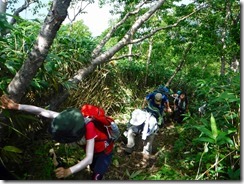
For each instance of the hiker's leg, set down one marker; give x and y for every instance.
(100, 165)
(177, 116)
(131, 138)
(147, 144)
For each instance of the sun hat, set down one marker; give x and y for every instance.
(138, 117)
(158, 98)
(68, 126)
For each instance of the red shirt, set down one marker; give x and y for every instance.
(101, 138)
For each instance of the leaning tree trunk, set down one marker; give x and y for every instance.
(101, 58)
(52, 23)
(148, 58)
(180, 65)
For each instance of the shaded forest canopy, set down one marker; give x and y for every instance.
(194, 48)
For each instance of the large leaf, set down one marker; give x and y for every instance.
(12, 149)
(213, 126)
(205, 131)
(205, 139)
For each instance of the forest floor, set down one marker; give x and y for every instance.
(137, 162)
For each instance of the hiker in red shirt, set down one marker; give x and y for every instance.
(70, 126)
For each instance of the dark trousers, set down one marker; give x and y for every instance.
(178, 116)
(100, 164)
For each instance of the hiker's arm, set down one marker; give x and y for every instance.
(7, 103)
(168, 109)
(144, 103)
(86, 161)
(175, 104)
(37, 110)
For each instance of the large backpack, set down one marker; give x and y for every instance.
(162, 89)
(101, 120)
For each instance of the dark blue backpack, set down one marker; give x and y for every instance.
(162, 89)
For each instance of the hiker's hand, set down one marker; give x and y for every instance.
(7, 103)
(62, 172)
(169, 110)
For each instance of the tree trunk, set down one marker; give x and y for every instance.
(105, 57)
(148, 58)
(52, 23)
(101, 58)
(130, 46)
(180, 65)
(3, 6)
(223, 39)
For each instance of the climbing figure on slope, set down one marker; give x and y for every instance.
(180, 107)
(144, 124)
(75, 126)
(156, 103)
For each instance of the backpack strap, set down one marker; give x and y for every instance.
(89, 119)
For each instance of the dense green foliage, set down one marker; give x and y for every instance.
(206, 148)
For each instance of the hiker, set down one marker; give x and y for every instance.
(180, 107)
(176, 95)
(156, 102)
(70, 126)
(144, 124)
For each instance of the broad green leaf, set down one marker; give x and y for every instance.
(234, 100)
(205, 139)
(229, 140)
(221, 138)
(213, 126)
(227, 96)
(225, 141)
(205, 131)
(134, 174)
(232, 130)
(12, 149)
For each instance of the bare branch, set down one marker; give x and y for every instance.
(22, 8)
(124, 56)
(182, 62)
(80, 10)
(167, 27)
(104, 57)
(99, 47)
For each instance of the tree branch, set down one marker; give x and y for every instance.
(180, 64)
(107, 37)
(20, 9)
(80, 10)
(124, 56)
(167, 27)
(104, 57)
